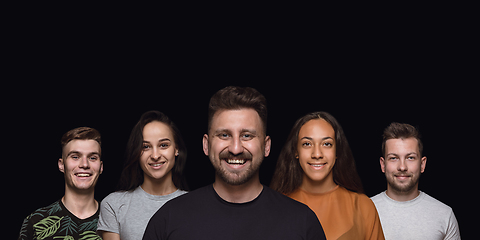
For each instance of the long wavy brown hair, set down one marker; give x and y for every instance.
(289, 174)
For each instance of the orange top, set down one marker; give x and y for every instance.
(343, 214)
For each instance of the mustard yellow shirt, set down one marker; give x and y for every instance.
(343, 214)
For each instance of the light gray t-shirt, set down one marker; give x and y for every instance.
(422, 218)
(128, 213)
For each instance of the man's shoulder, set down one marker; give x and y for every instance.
(46, 211)
(378, 198)
(193, 198)
(435, 204)
(279, 200)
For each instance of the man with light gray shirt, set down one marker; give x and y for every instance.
(406, 212)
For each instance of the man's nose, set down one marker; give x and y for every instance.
(236, 146)
(402, 166)
(84, 162)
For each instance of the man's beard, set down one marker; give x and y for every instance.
(236, 177)
(406, 187)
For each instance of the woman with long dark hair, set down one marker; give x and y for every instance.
(316, 167)
(152, 175)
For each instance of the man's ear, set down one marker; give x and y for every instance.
(382, 164)
(423, 165)
(61, 166)
(205, 144)
(268, 144)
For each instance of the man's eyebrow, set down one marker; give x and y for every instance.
(253, 131)
(94, 153)
(221, 130)
(79, 153)
(73, 152)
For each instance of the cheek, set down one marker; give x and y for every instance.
(414, 167)
(390, 167)
(143, 160)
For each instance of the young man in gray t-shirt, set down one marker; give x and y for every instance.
(405, 212)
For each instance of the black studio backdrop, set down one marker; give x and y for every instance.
(363, 110)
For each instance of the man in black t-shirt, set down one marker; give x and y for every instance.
(237, 205)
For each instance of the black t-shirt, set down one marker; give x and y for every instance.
(202, 214)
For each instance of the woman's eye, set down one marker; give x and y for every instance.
(164, 145)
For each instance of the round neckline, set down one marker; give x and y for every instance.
(319, 194)
(245, 204)
(156, 197)
(405, 203)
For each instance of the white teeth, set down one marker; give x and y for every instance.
(236, 161)
(83, 174)
(157, 164)
(317, 165)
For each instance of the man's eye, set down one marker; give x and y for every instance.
(223, 135)
(75, 157)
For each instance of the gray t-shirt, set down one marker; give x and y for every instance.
(128, 213)
(423, 217)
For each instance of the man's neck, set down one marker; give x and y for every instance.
(402, 196)
(82, 204)
(238, 193)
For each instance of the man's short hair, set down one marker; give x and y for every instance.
(401, 131)
(81, 133)
(235, 98)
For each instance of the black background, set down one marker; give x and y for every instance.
(365, 73)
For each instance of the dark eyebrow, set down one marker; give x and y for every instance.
(161, 140)
(311, 139)
(218, 131)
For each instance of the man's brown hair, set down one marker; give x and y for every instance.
(401, 131)
(234, 98)
(81, 133)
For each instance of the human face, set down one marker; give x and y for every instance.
(316, 150)
(236, 145)
(81, 164)
(159, 151)
(403, 165)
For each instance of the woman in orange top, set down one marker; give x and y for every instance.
(316, 167)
